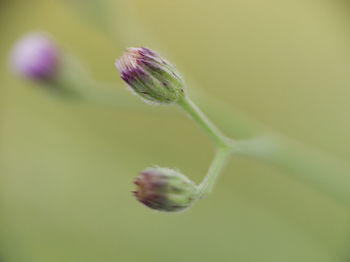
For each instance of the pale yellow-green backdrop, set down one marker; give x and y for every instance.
(66, 169)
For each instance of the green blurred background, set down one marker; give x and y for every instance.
(66, 169)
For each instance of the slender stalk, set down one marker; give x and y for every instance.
(217, 165)
(205, 124)
(220, 140)
(311, 167)
(323, 172)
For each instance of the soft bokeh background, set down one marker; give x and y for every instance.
(66, 169)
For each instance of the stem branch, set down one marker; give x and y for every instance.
(221, 141)
(308, 166)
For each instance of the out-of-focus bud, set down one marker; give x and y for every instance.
(165, 189)
(36, 57)
(150, 76)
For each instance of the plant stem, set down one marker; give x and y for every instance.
(311, 167)
(220, 140)
(317, 169)
(207, 126)
(209, 181)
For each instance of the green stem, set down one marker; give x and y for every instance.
(220, 140)
(207, 126)
(317, 169)
(209, 181)
(311, 167)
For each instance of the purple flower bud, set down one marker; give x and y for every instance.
(150, 76)
(36, 57)
(165, 189)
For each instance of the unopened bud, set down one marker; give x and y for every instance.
(165, 189)
(150, 76)
(36, 57)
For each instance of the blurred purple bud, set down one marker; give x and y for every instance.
(36, 56)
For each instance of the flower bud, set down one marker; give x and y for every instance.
(165, 189)
(150, 76)
(36, 57)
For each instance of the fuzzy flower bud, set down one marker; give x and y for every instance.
(165, 189)
(150, 76)
(36, 57)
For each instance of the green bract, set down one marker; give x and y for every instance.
(165, 189)
(150, 76)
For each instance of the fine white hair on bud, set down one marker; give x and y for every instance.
(150, 76)
(165, 189)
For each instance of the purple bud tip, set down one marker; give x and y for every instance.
(35, 56)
